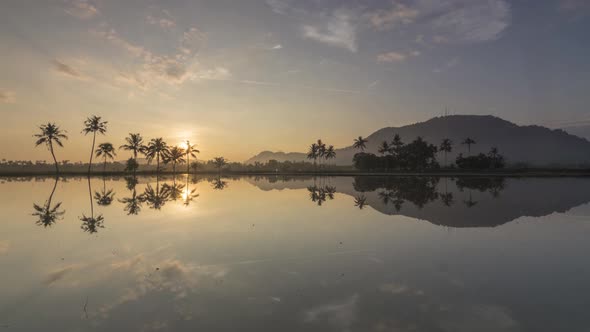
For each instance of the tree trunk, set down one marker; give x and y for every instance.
(54, 159)
(158, 163)
(92, 152)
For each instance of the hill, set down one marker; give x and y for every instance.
(533, 145)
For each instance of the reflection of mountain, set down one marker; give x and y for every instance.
(465, 202)
(530, 144)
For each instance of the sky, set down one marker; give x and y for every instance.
(239, 77)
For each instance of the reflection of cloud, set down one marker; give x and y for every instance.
(341, 315)
(81, 9)
(8, 97)
(393, 288)
(4, 246)
(483, 318)
(66, 70)
(58, 274)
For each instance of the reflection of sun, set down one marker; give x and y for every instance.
(186, 194)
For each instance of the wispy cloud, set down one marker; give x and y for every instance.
(399, 13)
(8, 97)
(373, 84)
(340, 315)
(396, 56)
(277, 47)
(339, 29)
(447, 65)
(82, 9)
(67, 70)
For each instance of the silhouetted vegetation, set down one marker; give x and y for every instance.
(417, 155)
(94, 124)
(50, 133)
(492, 160)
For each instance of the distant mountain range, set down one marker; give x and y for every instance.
(534, 145)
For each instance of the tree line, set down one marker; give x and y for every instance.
(52, 136)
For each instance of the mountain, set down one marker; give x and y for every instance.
(580, 131)
(533, 145)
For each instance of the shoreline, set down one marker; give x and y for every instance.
(436, 173)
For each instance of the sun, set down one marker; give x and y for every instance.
(183, 144)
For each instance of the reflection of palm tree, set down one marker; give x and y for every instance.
(397, 203)
(47, 214)
(386, 196)
(219, 184)
(156, 199)
(447, 199)
(189, 194)
(133, 203)
(91, 224)
(94, 125)
(105, 197)
(470, 202)
(175, 190)
(360, 201)
(50, 133)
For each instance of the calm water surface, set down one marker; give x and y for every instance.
(294, 254)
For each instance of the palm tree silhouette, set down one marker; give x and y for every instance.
(106, 150)
(50, 133)
(175, 156)
(469, 142)
(330, 153)
(396, 144)
(190, 152)
(360, 201)
(48, 215)
(321, 151)
(446, 146)
(219, 163)
(156, 148)
(133, 203)
(134, 143)
(313, 153)
(384, 148)
(360, 143)
(94, 125)
(90, 224)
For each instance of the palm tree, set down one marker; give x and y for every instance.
(219, 163)
(360, 143)
(384, 148)
(175, 156)
(396, 144)
(156, 148)
(469, 142)
(446, 146)
(49, 134)
(134, 143)
(94, 125)
(330, 152)
(313, 153)
(190, 152)
(106, 150)
(321, 150)
(47, 214)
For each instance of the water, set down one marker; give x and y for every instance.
(294, 254)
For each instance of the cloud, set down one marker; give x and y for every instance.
(164, 23)
(81, 9)
(448, 65)
(389, 18)
(8, 97)
(396, 56)
(217, 73)
(277, 47)
(373, 84)
(66, 70)
(451, 21)
(339, 29)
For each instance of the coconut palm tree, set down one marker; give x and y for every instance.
(94, 124)
(107, 151)
(469, 142)
(190, 152)
(330, 153)
(134, 143)
(384, 148)
(321, 150)
(50, 133)
(48, 215)
(156, 148)
(360, 143)
(396, 144)
(219, 163)
(313, 153)
(446, 146)
(174, 156)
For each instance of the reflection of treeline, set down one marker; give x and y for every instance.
(492, 185)
(397, 190)
(320, 194)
